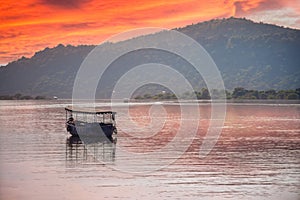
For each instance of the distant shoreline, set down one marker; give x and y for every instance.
(230, 101)
(134, 102)
(242, 101)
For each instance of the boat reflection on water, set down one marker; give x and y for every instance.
(101, 151)
(93, 139)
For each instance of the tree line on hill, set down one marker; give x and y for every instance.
(19, 96)
(237, 93)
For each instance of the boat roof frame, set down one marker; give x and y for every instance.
(88, 110)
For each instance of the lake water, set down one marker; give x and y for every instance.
(257, 155)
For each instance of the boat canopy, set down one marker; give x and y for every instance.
(88, 110)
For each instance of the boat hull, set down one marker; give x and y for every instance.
(92, 132)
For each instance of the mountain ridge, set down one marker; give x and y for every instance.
(251, 55)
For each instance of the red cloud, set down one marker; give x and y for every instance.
(50, 22)
(63, 3)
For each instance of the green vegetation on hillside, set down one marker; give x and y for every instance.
(19, 96)
(238, 93)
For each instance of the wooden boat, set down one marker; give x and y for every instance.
(90, 124)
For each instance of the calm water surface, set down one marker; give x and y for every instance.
(256, 157)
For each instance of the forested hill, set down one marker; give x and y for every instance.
(50, 72)
(250, 55)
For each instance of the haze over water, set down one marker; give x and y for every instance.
(256, 157)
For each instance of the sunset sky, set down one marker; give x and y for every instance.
(27, 26)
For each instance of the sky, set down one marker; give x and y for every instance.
(28, 26)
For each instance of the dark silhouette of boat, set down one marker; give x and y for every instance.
(91, 124)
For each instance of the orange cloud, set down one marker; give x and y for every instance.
(27, 26)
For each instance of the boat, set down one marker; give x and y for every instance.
(91, 124)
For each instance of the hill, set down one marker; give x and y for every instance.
(250, 55)
(50, 72)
